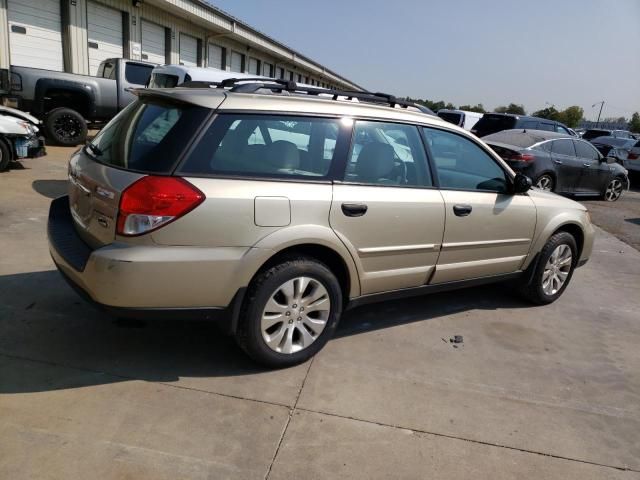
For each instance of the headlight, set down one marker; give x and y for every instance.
(28, 127)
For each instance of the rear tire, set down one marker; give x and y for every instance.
(546, 182)
(65, 127)
(274, 328)
(552, 271)
(5, 156)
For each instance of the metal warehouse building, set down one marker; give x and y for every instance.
(76, 35)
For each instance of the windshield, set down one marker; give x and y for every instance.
(147, 136)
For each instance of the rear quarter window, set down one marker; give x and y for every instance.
(147, 136)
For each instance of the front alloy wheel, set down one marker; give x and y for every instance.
(295, 315)
(614, 190)
(549, 275)
(557, 269)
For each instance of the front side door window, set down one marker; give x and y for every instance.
(594, 172)
(487, 230)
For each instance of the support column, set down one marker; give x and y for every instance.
(74, 41)
(4, 36)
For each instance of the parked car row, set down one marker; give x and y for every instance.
(561, 164)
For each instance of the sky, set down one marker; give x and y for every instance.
(531, 52)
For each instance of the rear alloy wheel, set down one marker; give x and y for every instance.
(545, 182)
(614, 190)
(290, 312)
(552, 271)
(65, 127)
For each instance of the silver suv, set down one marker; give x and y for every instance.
(274, 208)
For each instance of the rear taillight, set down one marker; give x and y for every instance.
(521, 157)
(152, 202)
(633, 156)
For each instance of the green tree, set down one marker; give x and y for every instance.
(512, 108)
(550, 112)
(571, 116)
(634, 124)
(478, 108)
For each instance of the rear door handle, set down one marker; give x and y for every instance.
(559, 162)
(586, 164)
(462, 210)
(354, 209)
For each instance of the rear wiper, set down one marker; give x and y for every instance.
(94, 148)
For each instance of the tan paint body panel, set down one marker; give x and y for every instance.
(396, 243)
(494, 238)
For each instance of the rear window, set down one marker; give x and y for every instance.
(137, 74)
(265, 145)
(451, 117)
(147, 136)
(493, 123)
(590, 134)
(163, 80)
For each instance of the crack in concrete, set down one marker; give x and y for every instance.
(286, 426)
(294, 408)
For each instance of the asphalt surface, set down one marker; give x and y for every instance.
(621, 218)
(530, 392)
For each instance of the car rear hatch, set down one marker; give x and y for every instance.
(148, 138)
(492, 123)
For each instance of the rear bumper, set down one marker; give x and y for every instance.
(146, 281)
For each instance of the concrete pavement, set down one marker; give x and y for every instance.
(532, 392)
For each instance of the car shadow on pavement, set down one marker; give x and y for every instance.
(44, 324)
(50, 188)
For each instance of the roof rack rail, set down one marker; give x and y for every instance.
(254, 84)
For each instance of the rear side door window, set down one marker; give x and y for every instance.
(265, 146)
(563, 147)
(387, 154)
(462, 164)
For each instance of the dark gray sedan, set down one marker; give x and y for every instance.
(560, 163)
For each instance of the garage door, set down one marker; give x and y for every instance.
(188, 50)
(35, 38)
(215, 56)
(153, 38)
(104, 33)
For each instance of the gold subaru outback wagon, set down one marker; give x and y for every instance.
(272, 208)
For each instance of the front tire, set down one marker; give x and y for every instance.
(552, 271)
(65, 127)
(614, 189)
(290, 312)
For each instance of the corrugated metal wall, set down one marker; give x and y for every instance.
(180, 16)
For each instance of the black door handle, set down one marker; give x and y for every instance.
(462, 210)
(354, 209)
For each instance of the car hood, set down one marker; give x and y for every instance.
(12, 112)
(546, 198)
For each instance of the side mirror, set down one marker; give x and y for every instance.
(610, 160)
(521, 183)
